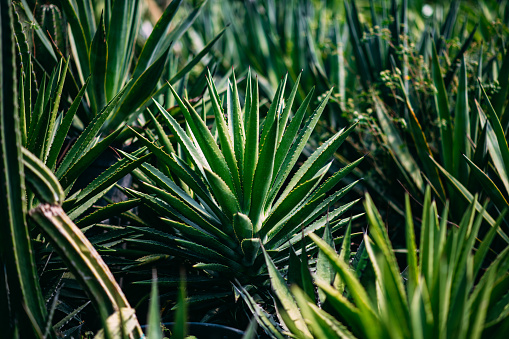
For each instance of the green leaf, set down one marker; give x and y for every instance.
(442, 107)
(63, 129)
(154, 319)
(86, 138)
(139, 92)
(461, 128)
(242, 227)
(355, 288)
(285, 297)
(226, 198)
(252, 147)
(121, 35)
(83, 260)
(18, 266)
(156, 43)
(98, 62)
(262, 177)
(44, 183)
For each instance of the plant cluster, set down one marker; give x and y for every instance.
(146, 170)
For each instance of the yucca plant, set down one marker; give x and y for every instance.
(224, 194)
(445, 291)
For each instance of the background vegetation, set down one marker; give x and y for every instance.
(191, 150)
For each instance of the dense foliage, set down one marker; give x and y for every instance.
(181, 161)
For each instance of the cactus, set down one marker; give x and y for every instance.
(16, 258)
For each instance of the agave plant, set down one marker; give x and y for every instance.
(23, 309)
(445, 291)
(104, 52)
(225, 194)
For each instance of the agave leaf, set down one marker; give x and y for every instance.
(139, 91)
(45, 185)
(236, 125)
(298, 145)
(413, 269)
(83, 162)
(291, 131)
(38, 30)
(211, 151)
(19, 271)
(226, 198)
(82, 258)
(194, 153)
(225, 138)
(497, 143)
(63, 129)
(87, 136)
(154, 319)
(121, 33)
(442, 107)
(292, 201)
(98, 64)
(465, 194)
(262, 177)
(107, 212)
(399, 150)
(252, 146)
(108, 177)
(284, 295)
(156, 44)
(54, 110)
(242, 226)
(358, 293)
(489, 187)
